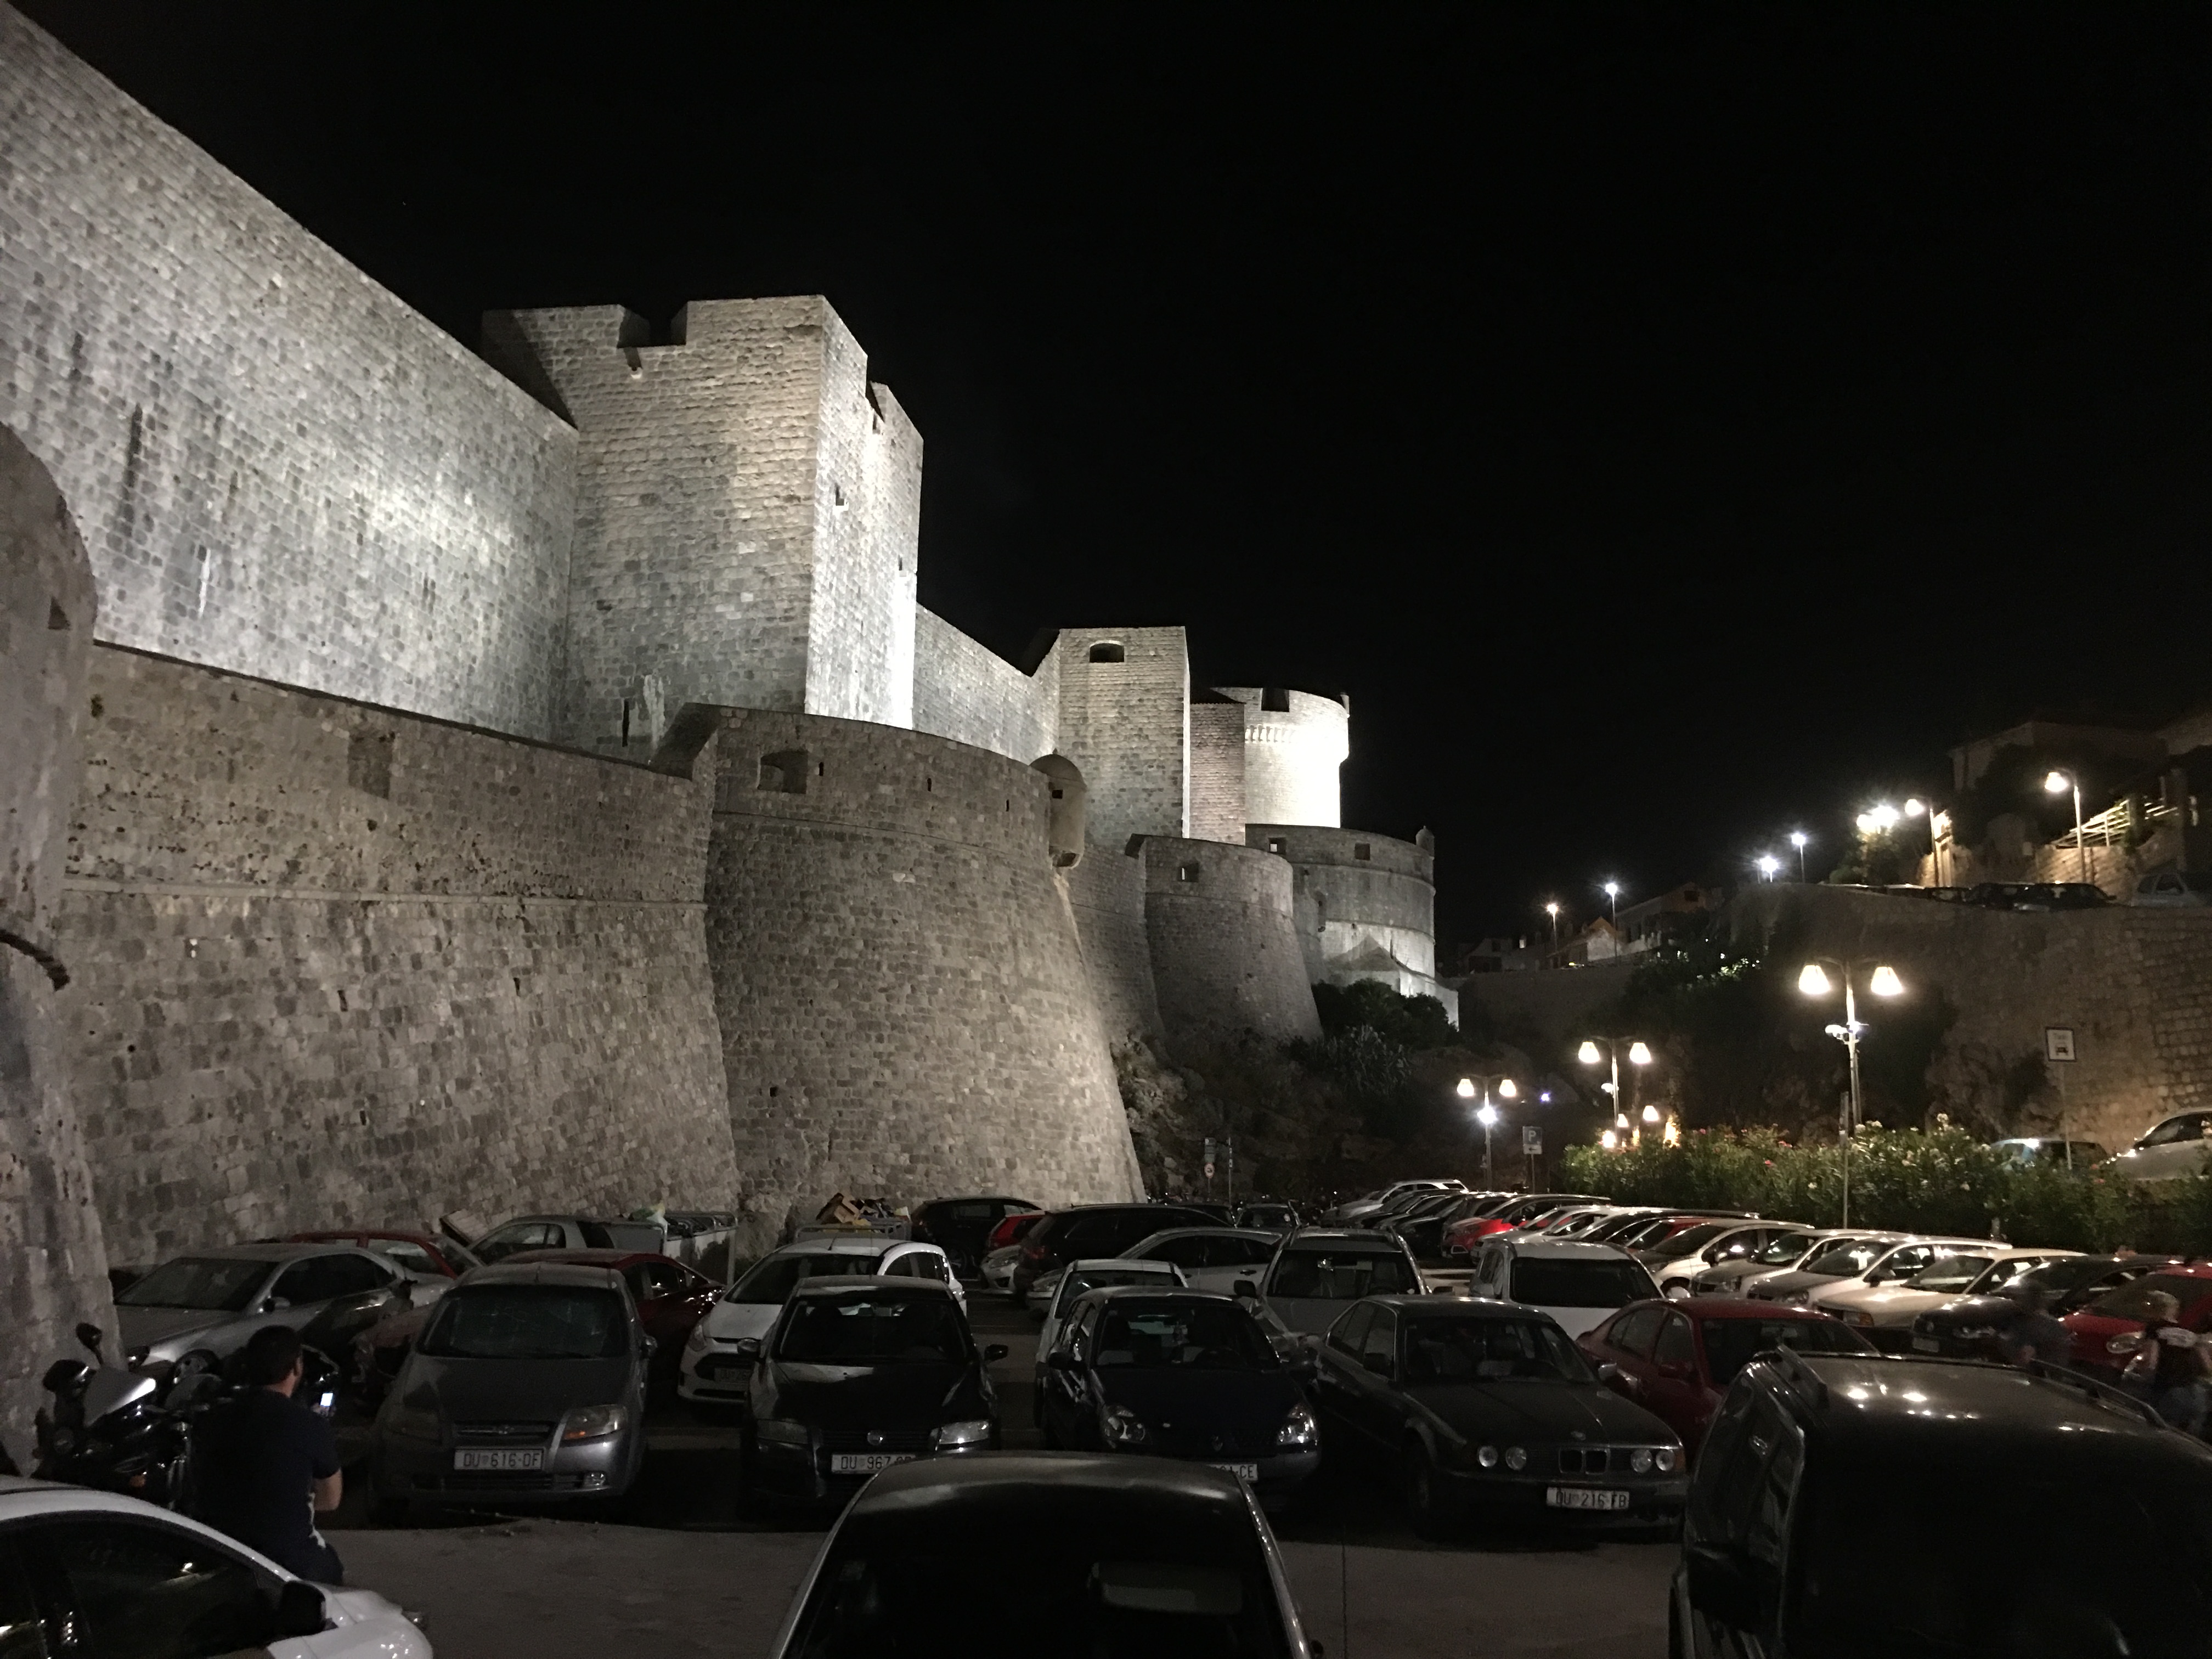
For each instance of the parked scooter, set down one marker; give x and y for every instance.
(130, 1431)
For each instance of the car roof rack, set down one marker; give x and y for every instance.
(2051, 1372)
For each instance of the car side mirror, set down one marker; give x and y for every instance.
(1305, 1365)
(996, 1353)
(1877, 1277)
(749, 1347)
(1608, 1372)
(275, 1305)
(90, 1334)
(1678, 1370)
(1061, 1360)
(1245, 1287)
(299, 1610)
(647, 1347)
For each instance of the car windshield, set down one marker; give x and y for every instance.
(1073, 1284)
(1447, 1350)
(1690, 1239)
(1201, 1336)
(1544, 1282)
(1339, 1275)
(1110, 1575)
(1853, 1257)
(527, 1321)
(213, 1283)
(1730, 1343)
(873, 1330)
(1950, 1272)
(2133, 1301)
(771, 1279)
(1781, 1252)
(1903, 1556)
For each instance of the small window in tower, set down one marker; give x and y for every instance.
(1106, 651)
(1186, 872)
(837, 493)
(784, 773)
(1060, 795)
(1278, 846)
(1274, 701)
(1361, 849)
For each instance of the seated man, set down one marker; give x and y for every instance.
(261, 1458)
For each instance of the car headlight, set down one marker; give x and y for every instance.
(415, 1422)
(593, 1423)
(1855, 1316)
(1299, 1431)
(2127, 1342)
(698, 1341)
(1487, 1457)
(1123, 1427)
(1639, 1461)
(781, 1431)
(969, 1432)
(1975, 1333)
(1515, 1458)
(1667, 1457)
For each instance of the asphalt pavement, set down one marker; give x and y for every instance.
(678, 1567)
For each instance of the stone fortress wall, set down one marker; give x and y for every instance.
(1223, 957)
(1295, 745)
(1363, 907)
(277, 467)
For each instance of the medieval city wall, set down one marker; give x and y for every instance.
(337, 964)
(905, 1007)
(1294, 753)
(277, 466)
(1125, 722)
(963, 691)
(1355, 893)
(1106, 891)
(1224, 961)
(1217, 811)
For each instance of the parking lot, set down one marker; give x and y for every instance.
(680, 1569)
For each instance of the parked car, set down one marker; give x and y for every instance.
(1967, 1328)
(1576, 1284)
(106, 1574)
(1123, 1555)
(2170, 1149)
(1425, 1235)
(1677, 1262)
(1882, 1309)
(1353, 1210)
(1181, 1374)
(2036, 896)
(1412, 1207)
(1844, 1258)
(421, 1255)
(962, 1227)
(1317, 1271)
(1012, 1228)
(1855, 1505)
(1092, 1230)
(1779, 1255)
(1902, 1261)
(1267, 1215)
(2171, 890)
(566, 1232)
(1212, 1258)
(2107, 1332)
(714, 1371)
(672, 1298)
(1481, 1407)
(2079, 1155)
(858, 1374)
(527, 1384)
(1091, 1274)
(1461, 1238)
(198, 1309)
(1677, 1363)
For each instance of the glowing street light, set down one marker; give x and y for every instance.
(1767, 865)
(1465, 1090)
(1876, 820)
(1613, 898)
(1813, 980)
(1552, 910)
(1797, 839)
(1610, 1141)
(1650, 1114)
(1639, 1054)
(2057, 784)
(1486, 1113)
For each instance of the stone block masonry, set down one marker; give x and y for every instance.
(342, 965)
(904, 1006)
(1106, 892)
(1224, 961)
(968, 694)
(1125, 721)
(277, 466)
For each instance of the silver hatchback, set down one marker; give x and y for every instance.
(199, 1308)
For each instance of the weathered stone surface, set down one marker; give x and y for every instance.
(1106, 892)
(1364, 907)
(1224, 959)
(970, 695)
(1125, 720)
(53, 1265)
(338, 965)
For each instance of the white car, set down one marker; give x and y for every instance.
(714, 1373)
(1883, 1310)
(2169, 1149)
(1677, 1272)
(1884, 1261)
(1212, 1258)
(1578, 1285)
(109, 1574)
(1779, 1255)
(1092, 1274)
(1319, 1271)
(998, 1269)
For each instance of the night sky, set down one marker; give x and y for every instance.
(1670, 425)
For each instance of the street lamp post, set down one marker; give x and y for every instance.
(1797, 839)
(1552, 910)
(1486, 1113)
(1768, 864)
(1639, 1054)
(1613, 898)
(1882, 982)
(2057, 784)
(1936, 823)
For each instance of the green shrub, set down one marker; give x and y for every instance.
(1415, 1021)
(1373, 1072)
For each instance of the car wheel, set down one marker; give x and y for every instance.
(1432, 1508)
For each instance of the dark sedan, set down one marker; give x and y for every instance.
(963, 1227)
(1486, 1408)
(1186, 1374)
(1095, 1231)
(1968, 1329)
(860, 1374)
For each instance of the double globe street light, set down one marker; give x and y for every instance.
(1882, 982)
(1486, 1113)
(1639, 1054)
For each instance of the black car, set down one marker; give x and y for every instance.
(1089, 1230)
(1484, 1408)
(1080, 1554)
(1967, 1328)
(858, 1374)
(1425, 1233)
(1184, 1374)
(1267, 1215)
(962, 1227)
(1849, 1506)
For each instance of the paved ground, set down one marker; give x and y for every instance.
(678, 1571)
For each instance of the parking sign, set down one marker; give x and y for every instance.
(2058, 1042)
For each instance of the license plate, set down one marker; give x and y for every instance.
(1242, 1470)
(499, 1460)
(866, 1462)
(1584, 1497)
(1927, 1344)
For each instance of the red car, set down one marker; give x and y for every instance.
(2108, 1332)
(1011, 1229)
(1677, 1360)
(418, 1253)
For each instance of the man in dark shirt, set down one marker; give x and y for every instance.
(260, 1457)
